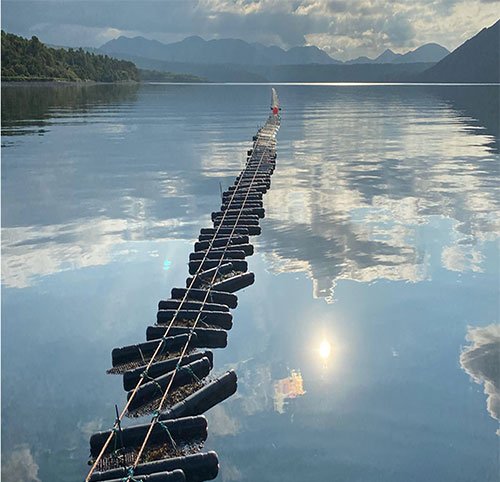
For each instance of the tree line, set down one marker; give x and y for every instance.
(30, 59)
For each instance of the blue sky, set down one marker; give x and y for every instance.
(344, 28)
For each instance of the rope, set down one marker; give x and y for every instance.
(130, 476)
(214, 237)
(189, 370)
(148, 434)
(142, 356)
(145, 374)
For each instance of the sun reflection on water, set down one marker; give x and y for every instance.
(325, 349)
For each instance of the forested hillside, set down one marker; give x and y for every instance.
(24, 59)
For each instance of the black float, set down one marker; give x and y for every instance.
(165, 374)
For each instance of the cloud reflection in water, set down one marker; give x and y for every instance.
(481, 361)
(356, 208)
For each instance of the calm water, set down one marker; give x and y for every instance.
(381, 237)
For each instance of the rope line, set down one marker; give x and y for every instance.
(148, 434)
(274, 128)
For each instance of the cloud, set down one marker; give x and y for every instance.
(19, 465)
(348, 28)
(481, 361)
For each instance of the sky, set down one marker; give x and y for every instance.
(345, 29)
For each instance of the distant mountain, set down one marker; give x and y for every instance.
(426, 53)
(211, 72)
(388, 57)
(133, 46)
(476, 60)
(341, 73)
(360, 60)
(195, 50)
(307, 55)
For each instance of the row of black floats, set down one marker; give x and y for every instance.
(175, 358)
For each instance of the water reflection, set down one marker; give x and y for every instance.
(373, 184)
(20, 465)
(106, 175)
(480, 112)
(360, 189)
(325, 349)
(348, 201)
(25, 110)
(286, 389)
(481, 361)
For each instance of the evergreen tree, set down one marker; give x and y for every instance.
(24, 59)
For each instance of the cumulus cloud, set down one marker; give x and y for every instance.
(481, 361)
(348, 28)
(20, 465)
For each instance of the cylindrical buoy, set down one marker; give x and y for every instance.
(182, 429)
(171, 304)
(143, 351)
(241, 221)
(175, 476)
(221, 242)
(196, 467)
(253, 182)
(210, 237)
(257, 196)
(154, 389)
(223, 231)
(205, 398)
(197, 265)
(201, 294)
(223, 319)
(224, 253)
(257, 175)
(250, 229)
(132, 377)
(209, 274)
(247, 249)
(242, 205)
(205, 337)
(235, 283)
(235, 214)
(248, 188)
(232, 252)
(259, 212)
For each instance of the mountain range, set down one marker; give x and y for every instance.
(231, 60)
(218, 51)
(195, 50)
(426, 53)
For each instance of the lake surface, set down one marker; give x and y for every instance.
(381, 237)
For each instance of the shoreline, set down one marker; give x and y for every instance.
(64, 83)
(69, 83)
